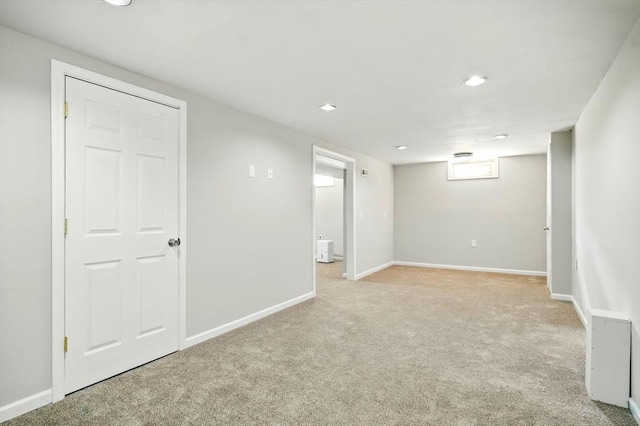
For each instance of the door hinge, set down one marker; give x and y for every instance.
(66, 344)
(66, 226)
(66, 109)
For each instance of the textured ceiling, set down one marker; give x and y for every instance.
(395, 69)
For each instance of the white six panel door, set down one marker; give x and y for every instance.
(121, 286)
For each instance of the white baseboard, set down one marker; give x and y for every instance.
(25, 405)
(569, 298)
(555, 296)
(471, 268)
(562, 297)
(583, 319)
(225, 328)
(41, 399)
(373, 270)
(635, 410)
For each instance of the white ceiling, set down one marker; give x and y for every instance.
(395, 69)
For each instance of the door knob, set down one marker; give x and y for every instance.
(545, 228)
(173, 243)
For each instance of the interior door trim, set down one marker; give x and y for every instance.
(333, 158)
(59, 72)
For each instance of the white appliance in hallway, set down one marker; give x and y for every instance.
(325, 251)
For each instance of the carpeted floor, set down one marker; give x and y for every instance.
(405, 346)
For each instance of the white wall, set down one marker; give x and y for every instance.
(560, 147)
(607, 196)
(232, 220)
(330, 214)
(436, 219)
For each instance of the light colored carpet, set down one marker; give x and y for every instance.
(406, 346)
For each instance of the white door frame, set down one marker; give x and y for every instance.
(548, 227)
(349, 208)
(59, 72)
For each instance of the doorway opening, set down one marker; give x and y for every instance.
(334, 220)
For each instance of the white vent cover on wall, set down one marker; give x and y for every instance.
(608, 357)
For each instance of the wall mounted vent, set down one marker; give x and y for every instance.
(462, 154)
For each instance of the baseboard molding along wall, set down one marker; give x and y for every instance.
(25, 405)
(41, 399)
(225, 328)
(555, 296)
(373, 270)
(33, 402)
(583, 319)
(635, 410)
(562, 297)
(471, 268)
(569, 298)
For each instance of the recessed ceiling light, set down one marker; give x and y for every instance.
(476, 80)
(401, 147)
(119, 2)
(502, 136)
(327, 107)
(462, 154)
